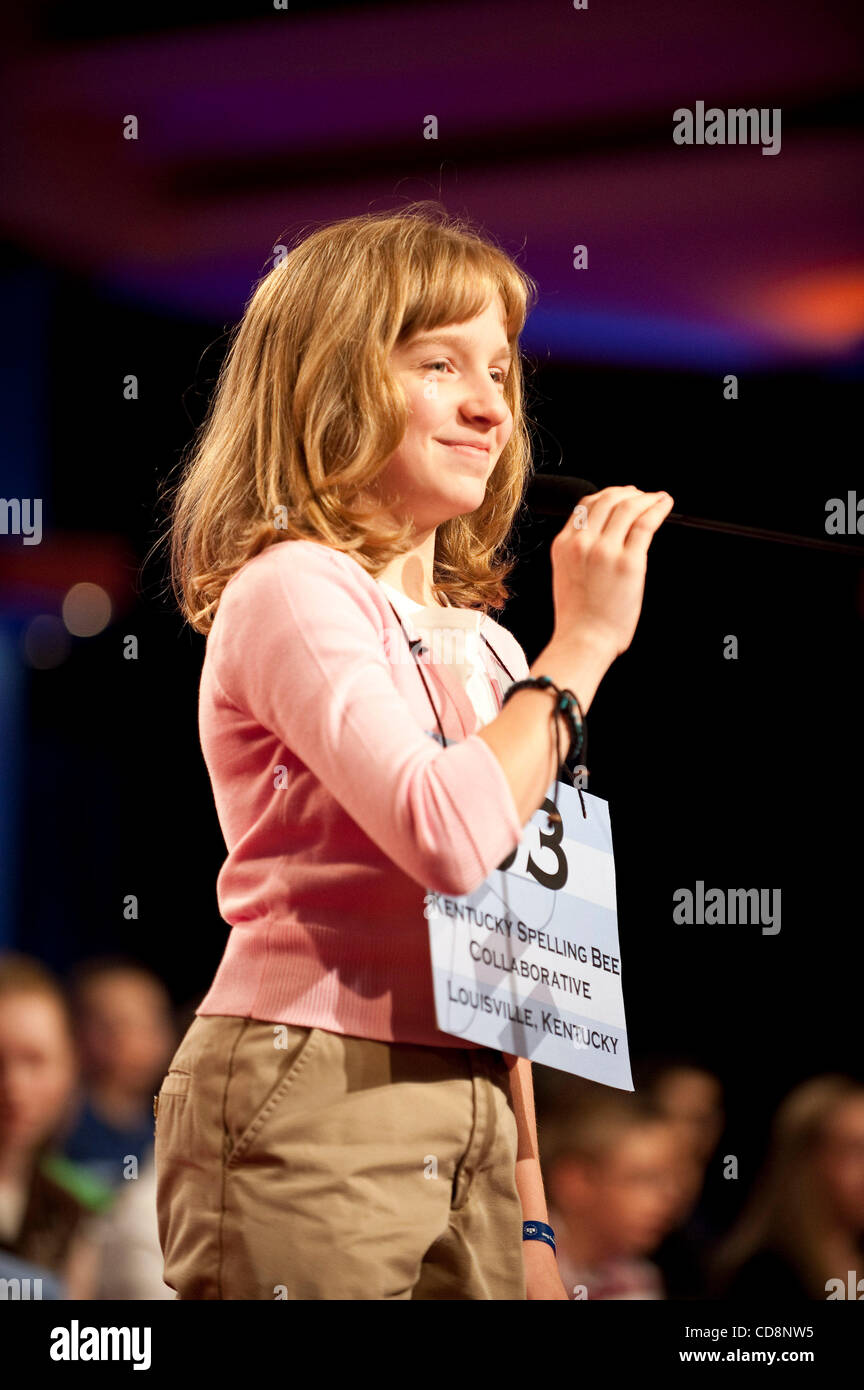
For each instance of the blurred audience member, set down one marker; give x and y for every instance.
(126, 1037)
(803, 1223)
(130, 1257)
(691, 1098)
(46, 1202)
(610, 1165)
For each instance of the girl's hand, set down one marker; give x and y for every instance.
(598, 567)
(542, 1278)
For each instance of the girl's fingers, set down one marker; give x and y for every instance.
(641, 533)
(598, 506)
(620, 521)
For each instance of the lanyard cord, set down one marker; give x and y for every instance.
(563, 769)
(412, 647)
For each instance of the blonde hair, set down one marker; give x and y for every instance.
(21, 974)
(307, 411)
(787, 1212)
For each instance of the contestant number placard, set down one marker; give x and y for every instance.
(530, 961)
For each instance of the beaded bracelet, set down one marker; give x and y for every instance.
(564, 704)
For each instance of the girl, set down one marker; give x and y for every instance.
(351, 490)
(801, 1234)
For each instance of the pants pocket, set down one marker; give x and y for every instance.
(176, 1083)
(266, 1063)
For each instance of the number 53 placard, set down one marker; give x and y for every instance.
(530, 962)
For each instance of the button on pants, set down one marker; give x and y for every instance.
(296, 1163)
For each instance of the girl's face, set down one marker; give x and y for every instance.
(454, 381)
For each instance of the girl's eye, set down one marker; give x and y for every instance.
(500, 379)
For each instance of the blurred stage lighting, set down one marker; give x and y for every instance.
(46, 642)
(86, 610)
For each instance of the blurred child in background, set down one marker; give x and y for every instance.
(125, 1037)
(803, 1224)
(46, 1202)
(131, 1264)
(130, 1257)
(612, 1175)
(691, 1098)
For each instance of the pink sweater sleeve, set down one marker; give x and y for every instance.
(300, 644)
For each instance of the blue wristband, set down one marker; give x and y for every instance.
(538, 1230)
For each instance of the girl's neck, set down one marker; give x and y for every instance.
(412, 573)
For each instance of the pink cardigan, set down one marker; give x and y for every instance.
(338, 809)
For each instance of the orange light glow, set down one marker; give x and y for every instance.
(824, 309)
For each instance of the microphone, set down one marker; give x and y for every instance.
(550, 494)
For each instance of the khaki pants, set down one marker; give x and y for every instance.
(295, 1163)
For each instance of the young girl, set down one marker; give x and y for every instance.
(801, 1234)
(317, 1135)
